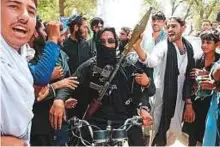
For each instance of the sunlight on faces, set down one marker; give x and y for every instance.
(174, 30)
(210, 40)
(206, 26)
(215, 25)
(157, 25)
(18, 20)
(208, 46)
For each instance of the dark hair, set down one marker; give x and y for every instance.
(206, 20)
(95, 21)
(214, 21)
(158, 16)
(211, 35)
(38, 23)
(111, 29)
(178, 19)
(75, 20)
(127, 30)
(35, 1)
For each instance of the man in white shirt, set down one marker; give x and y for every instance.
(18, 19)
(158, 34)
(174, 59)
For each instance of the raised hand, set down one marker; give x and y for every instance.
(142, 79)
(53, 31)
(147, 119)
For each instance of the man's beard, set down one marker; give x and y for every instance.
(39, 42)
(38, 45)
(124, 42)
(175, 37)
(94, 35)
(78, 35)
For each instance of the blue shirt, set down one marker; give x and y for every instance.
(42, 71)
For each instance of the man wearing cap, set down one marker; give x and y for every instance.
(45, 53)
(95, 24)
(77, 49)
(76, 46)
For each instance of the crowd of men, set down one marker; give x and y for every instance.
(50, 74)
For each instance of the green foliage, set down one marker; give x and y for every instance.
(87, 7)
(204, 9)
(49, 9)
(153, 3)
(194, 10)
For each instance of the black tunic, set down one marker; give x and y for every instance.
(78, 52)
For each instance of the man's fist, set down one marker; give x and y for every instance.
(147, 119)
(142, 79)
(53, 31)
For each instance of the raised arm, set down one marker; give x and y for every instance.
(42, 71)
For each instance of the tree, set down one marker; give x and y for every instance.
(54, 9)
(174, 5)
(205, 9)
(48, 9)
(193, 11)
(153, 3)
(62, 7)
(87, 7)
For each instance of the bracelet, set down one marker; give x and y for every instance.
(51, 86)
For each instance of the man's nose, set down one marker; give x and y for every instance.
(24, 16)
(107, 44)
(204, 44)
(169, 29)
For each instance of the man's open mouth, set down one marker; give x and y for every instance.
(171, 34)
(20, 29)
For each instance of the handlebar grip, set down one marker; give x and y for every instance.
(71, 121)
(74, 121)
